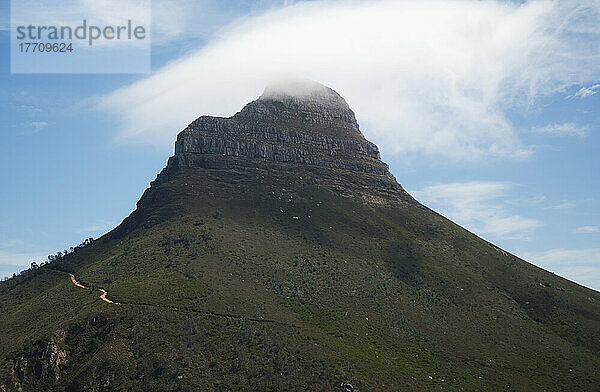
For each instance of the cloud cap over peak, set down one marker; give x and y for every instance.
(429, 77)
(304, 89)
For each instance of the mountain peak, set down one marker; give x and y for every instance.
(304, 105)
(304, 91)
(299, 133)
(276, 252)
(298, 124)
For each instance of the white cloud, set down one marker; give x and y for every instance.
(579, 265)
(588, 229)
(534, 200)
(478, 206)
(431, 76)
(100, 227)
(564, 206)
(197, 19)
(14, 262)
(538, 199)
(29, 108)
(172, 20)
(564, 129)
(585, 92)
(38, 124)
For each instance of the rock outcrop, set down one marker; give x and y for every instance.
(43, 364)
(302, 123)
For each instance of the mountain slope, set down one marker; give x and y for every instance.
(276, 252)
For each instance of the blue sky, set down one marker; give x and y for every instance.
(487, 112)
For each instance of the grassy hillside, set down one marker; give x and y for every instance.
(262, 281)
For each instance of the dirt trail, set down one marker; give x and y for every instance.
(102, 296)
(76, 283)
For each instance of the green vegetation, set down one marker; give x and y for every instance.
(321, 289)
(275, 252)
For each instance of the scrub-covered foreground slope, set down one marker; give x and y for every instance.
(276, 252)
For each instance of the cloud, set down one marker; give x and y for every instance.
(538, 199)
(91, 229)
(197, 19)
(20, 258)
(579, 265)
(588, 229)
(478, 206)
(28, 108)
(564, 129)
(585, 92)
(12, 243)
(100, 227)
(38, 124)
(14, 262)
(431, 77)
(564, 206)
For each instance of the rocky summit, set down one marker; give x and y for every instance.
(298, 132)
(316, 129)
(275, 252)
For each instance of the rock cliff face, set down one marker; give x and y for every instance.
(305, 124)
(43, 363)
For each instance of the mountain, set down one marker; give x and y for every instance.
(276, 252)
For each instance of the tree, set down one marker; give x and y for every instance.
(34, 265)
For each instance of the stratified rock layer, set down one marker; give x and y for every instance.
(315, 128)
